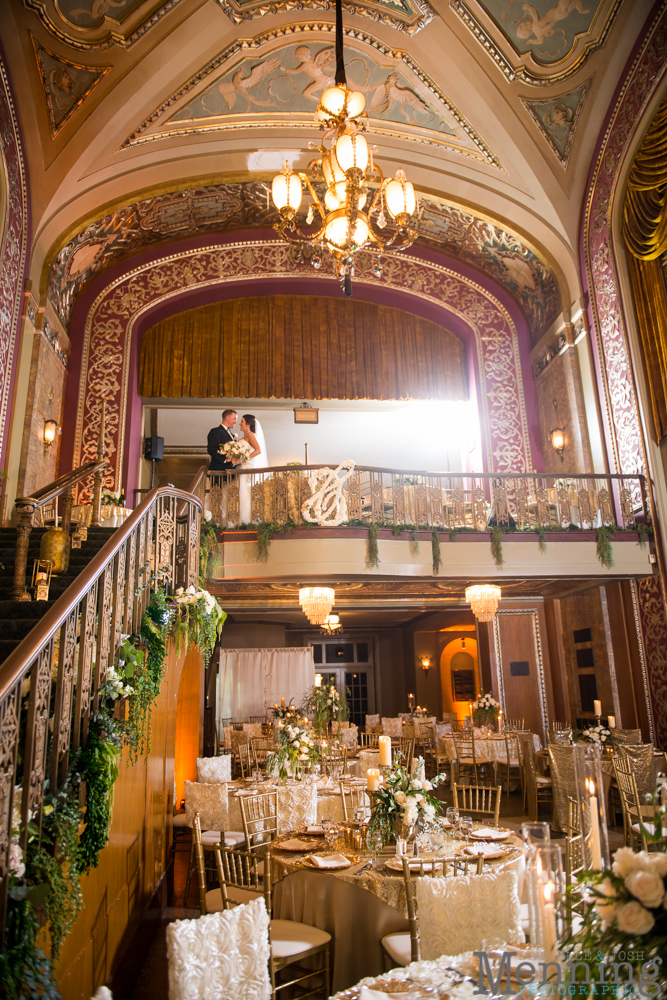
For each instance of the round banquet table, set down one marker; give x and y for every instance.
(487, 750)
(298, 803)
(358, 908)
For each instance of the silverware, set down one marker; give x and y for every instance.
(361, 870)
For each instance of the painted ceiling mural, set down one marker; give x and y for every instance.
(540, 42)
(557, 119)
(282, 85)
(406, 15)
(227, 207)
(99, 24)
(66, 84)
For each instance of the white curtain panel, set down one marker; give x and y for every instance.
(251, 680)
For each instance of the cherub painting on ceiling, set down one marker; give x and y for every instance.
(547, 29)
(294, 79)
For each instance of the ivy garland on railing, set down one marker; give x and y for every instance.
(45, 884)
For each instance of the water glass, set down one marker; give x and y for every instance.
(466, 826)
(437, 835)
(257, 774)
(374, 845)
(452, 816)
(536, 833)
(331, 835)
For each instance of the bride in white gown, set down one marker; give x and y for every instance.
(253, 434)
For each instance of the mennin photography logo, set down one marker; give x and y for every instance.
(566, 979)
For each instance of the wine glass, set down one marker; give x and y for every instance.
(452, 816)
(466, 826)
(326, 825)
(437, 835)
(331, 833)
(374, 845)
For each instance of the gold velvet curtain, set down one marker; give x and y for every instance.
(293, 347)
(645, 232)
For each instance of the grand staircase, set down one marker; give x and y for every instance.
(17, 618)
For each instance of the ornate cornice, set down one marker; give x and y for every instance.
(386, 13)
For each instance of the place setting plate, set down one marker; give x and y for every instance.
(495, 851)
(329, 868)
(490, 834)
(299, 845)
(396, 864)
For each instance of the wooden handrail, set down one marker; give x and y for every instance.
(199, 478)
(41, 497)
(19, 659)
(423, 472)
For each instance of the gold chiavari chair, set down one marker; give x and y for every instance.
(353, 796)
(334, 761)
(403, 947)
(259, 815)
(538, 787)
(574, 858)
(466, 760)
(261, 747)
(403, 746)
(513, 723)
(245, 875)
(638, 818)
(512, 761)
(369, 739)
(244, 754)
(481, 799)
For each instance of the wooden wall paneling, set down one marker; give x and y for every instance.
(581, 611)
(486, 657)
(189, 721)
(633, 627)
(627, 715)
(518, 639)
(559, 680)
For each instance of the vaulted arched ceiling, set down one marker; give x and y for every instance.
(493, 107)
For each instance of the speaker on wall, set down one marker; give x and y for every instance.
(154, 448)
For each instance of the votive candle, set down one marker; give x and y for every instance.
(384, 746)
(372, 779)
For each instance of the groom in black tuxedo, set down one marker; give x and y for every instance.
(216, 437)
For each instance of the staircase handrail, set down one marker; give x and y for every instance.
(16, 663)
(197, 487)
(43, 496)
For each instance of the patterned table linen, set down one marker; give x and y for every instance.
(297, 805)
(437, 975)
(486, 750)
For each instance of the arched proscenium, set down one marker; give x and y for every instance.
(114, 314)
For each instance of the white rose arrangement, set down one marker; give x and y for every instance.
(597, 734)
(294, 746)
(403, 800)
(486, 708)
(240, 450)
(198, 618)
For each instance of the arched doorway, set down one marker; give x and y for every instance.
(459, 675)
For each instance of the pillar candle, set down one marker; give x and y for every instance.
(318, 680)
(372, 779)
(596, 848)
(282, 702)
(597, 707)
(611, 721)
(384, 746)
(549, 935)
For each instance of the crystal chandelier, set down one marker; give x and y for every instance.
(483, 599)
(331, 625)
(355, 186)
(316, 603)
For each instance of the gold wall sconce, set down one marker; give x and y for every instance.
(425, 663)
(50, 431)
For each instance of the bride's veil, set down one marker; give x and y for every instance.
(262, 459)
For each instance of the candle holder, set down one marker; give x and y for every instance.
(546, 895)
(411, 702)
(41, 578)
(591, 798)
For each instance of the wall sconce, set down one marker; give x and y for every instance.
(558, 441)
(425, 663)
(41, 578)
(50, 428)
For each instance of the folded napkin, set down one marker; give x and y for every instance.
(294, 845)
(331, 861)
(246, 791)
(317, 830)
(484, 849)
(486, 833)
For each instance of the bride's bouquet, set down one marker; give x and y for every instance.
(240, 450)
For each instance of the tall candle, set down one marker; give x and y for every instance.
(500, 721)
(596, 848)
(384, 746)
(282, 702)
(548, 919)
(597, 707)
(611, 721)
(318, 680)
(372, 779)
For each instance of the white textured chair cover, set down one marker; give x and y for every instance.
(222, 956)
(297, 805)
(371, 722)
(392, 727)
(349, 737)
(212, 770)
(253, 729)
(212, 804)
(367, 758)
(458, 912)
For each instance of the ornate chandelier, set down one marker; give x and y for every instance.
(331, 625)
(355, 186)
(316, 603)
(483, 599)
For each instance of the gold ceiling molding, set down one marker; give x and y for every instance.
(557, 119)
(538, 49)
(389, 84)
(409, 16)
(66, 84)
(94, 25)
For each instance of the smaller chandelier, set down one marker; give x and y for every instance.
(483, 599)
(316, 603)
(331, 625)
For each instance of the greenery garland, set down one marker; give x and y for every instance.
(497, 545)
(603, 548)
(373, 557)
(643, 530)
(414, 543)
(435, 549)
(25, 971)
(542, 543)
(208, 547)
(97, 764)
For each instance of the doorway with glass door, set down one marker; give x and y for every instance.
(350, 664)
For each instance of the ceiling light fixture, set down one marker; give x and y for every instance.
(355, 186)
(331, 625)
(483, 600)
(316, 603)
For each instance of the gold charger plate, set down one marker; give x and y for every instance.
(310, 845)
(396, 865)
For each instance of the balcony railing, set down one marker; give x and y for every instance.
(473, 501)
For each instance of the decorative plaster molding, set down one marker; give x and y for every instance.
(66, 84)
(110, 322)
(419, 12)
(557, 119)
(93, 39)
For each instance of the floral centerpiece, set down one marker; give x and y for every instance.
(599, 735)
(284, 711)
(325, 704)
(240, 450)
(295, 747)
(115, 498)
(337, 707)
(403, 801)
(485, 710)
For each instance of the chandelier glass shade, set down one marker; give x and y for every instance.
(483, 600)
(316, 603)
(352, 210)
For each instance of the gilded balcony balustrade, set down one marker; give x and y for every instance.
(474, 501)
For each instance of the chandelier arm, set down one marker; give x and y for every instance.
(289, 232)
(306, 180)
